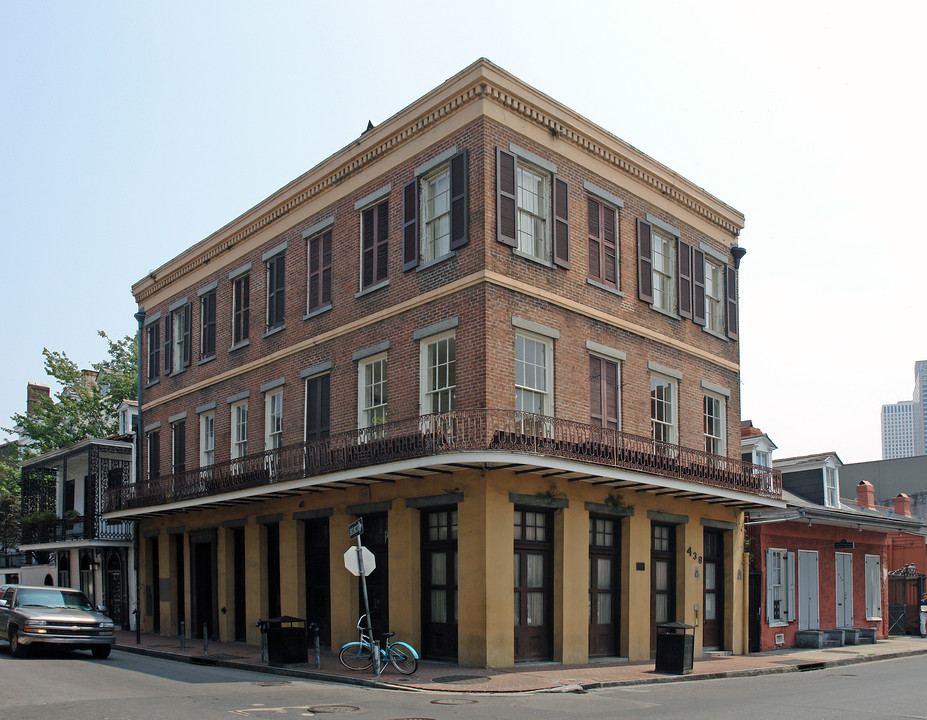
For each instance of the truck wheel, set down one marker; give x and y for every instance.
(101, 652)
(17, 649)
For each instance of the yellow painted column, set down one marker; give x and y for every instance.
(735, 589)
(225, 593)
(255, 580)
(635, 584)
(571, 591)
(690, 572)
(345, 591)
(405, 573)
(289, 575)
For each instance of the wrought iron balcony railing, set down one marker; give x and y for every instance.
(440, 434)
(83, 527)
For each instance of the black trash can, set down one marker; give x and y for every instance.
(675, 648)
(287, 641)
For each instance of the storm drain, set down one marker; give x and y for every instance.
(454, 701)
(333, 708)
(461, 679)
(811, 666)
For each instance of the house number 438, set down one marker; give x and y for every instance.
(694, 556)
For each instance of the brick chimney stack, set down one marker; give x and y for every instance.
(865, 495)
(903, 505)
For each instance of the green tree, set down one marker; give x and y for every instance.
(81, 409)
(11, 455)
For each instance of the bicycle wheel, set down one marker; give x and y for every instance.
(403, 660)
(356, 656)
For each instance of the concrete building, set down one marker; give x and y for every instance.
(501, 336)
(904, 423)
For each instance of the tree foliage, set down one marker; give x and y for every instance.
(10, 458)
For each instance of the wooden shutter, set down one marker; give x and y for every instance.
(382, 258)
(367, 247)
(154, 455)
(326, 269)
(594, 227)
(187, 334)
(561, 194)
(731, 283)
(245, 310)
(609, 245)
(644, 262)
(698, 286)
(769, 594)
(179, 449)
(684, 278)
(595, 391)
(604, 393)
(460, 204)
(318, 408)
(506, 204)
(320, 271)
(208, 309)
(790, 587)
(168, 345)
(410, 225)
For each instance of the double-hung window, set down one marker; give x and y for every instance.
(714, 296)
(664, 271)
(239, 429)
(664, 267)
(276, 290)
(208, 325)
(714, 424)
(177, 338)
(439, 373)
(241, 309)
(153, 336)
(207, 439)
(371, 392)
(374, 244)
(273, 420)
(831, 498)
(532, 213)
(436, 213)
(533, 375)
(319, 291)
(780, 587)
(663, 405)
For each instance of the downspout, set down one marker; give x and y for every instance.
(140, 317)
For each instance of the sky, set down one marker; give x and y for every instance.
(130, 131)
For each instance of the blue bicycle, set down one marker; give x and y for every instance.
(358, 654)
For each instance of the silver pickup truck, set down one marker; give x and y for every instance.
(53, 616)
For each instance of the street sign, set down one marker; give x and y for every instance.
(352, 561)
(356, 528)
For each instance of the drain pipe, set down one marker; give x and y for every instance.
(140, 317)
(774, 520)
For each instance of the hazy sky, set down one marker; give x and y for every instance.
(130, 131)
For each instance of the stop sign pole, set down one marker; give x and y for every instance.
(356, 530)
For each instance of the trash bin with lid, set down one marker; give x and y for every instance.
(287, 641)
(675, 648)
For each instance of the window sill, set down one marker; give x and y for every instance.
(177, 372)
(874, 619)
(435, 261)
(317, 312)
(714, 334)
(779, 623)
(665, 312)
(152, 383)
(239, 346)
(207, 359)
(532, 258)
(603, 286)
(372, 288)
(274, 330)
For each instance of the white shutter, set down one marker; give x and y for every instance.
(769, 602)
(790, 590)
(873, 588)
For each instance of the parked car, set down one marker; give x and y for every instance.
(53, 616)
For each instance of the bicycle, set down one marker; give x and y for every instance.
(358, 654)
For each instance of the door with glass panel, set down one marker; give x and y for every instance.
(439, 584)
(713, 569)
(604, 556)
(662, 578)
(533, 584)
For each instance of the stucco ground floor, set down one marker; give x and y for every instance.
(484, 567)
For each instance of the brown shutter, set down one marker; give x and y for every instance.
(168, 344)
(644, 262)
(603, 393)
(594, 225)
(410, 225)
(187, 334)
(731, 302)
(382, 257)
(611, 396)
(609, 245)
(460, 207)
(698, 286)
(506, 205)
(326, 268)
(684, 278)
(367, 249)
(595, 391)
(561, 193)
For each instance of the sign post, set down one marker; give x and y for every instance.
(357, 566)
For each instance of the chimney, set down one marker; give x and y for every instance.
(865, 495)
(33, 392)
(903, 505)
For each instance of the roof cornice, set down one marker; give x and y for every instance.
(481, 81)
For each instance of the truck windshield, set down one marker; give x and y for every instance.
(52, 598)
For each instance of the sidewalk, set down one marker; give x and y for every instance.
(545, 677)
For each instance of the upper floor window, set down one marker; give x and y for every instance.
(714, 296)
(239, 429)
(276, 290)
(831, 498)
(780, 587)
(664, 271)
(208, 325)
(178, 447)
(241, 309)
(319, 291)
(273, 420)
(714, 424)
(207, 439)
(761, 458)
(177, 338)
(533, 375)
(602, 226)
(371, 392)
(318, 407)
(439, 374)
(153, 454)
(153, 336)
(374, 244)
(663, 406)
(604, 393)
(532, 208)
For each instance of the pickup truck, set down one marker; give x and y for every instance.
(53, 616)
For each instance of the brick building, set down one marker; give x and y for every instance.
(504, 338)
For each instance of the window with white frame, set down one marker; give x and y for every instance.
(663, 409)
(831, 498)
(436, 213)
(533, 375)
(371, 392)
(239, 430)
(439, 373)
(714, 424)
(533, 217)
(873, 588)
(664, 270)
(780, 586)
(761, 458)
(177, 335)
(273, 420)
(714, 296)
(207, 439)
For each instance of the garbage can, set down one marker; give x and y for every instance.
(675, 648)
(287, 641)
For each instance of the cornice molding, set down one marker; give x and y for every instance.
(621, 157)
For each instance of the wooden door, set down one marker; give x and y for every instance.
(713, 569)
(439, 583)
(604, 555)
(662, 578)
(808, 590)
(843, 576)
(533, 585)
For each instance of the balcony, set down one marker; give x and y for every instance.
(533, 439)
(82, 527)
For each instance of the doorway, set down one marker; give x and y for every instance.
(662, 579)
(204, 584)
(534, 554)
(808, 590)
(604, 590)
(843, 575)
(439, 583)
(713, 628)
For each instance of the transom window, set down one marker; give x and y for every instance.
(714, 296)
(530, 526)
(601, 532)
(714, 425)
(663, 409)
(439, 374)
(436, 213)
(533, 375)
(372, 392)
(533, 198)
(442, 525)
(664, 271)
